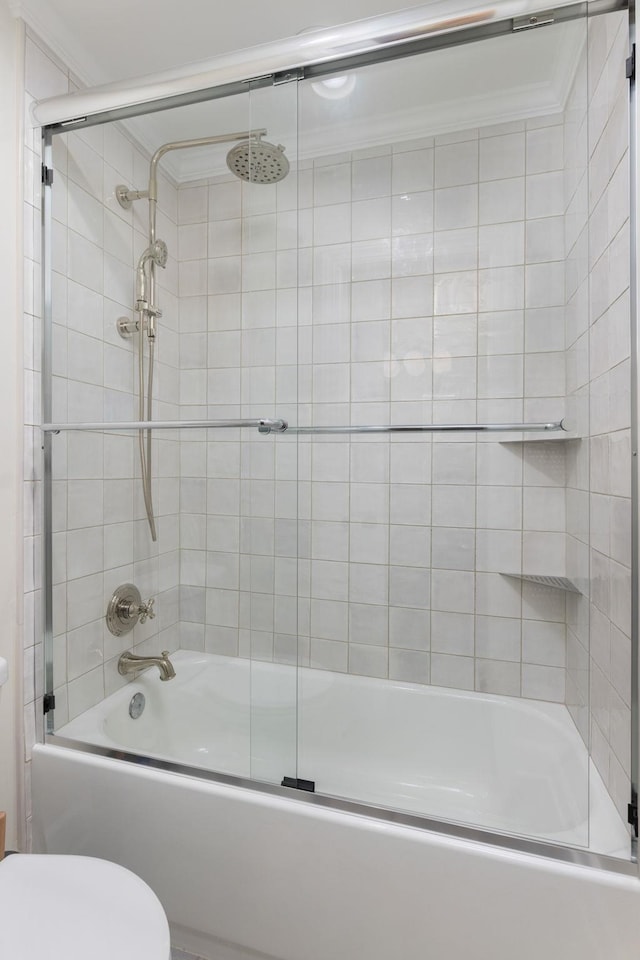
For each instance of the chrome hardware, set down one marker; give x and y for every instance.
(549, 427)
(146, 611)
(136, 705)
(264, 425)
(126, 609)
(141, 306)
(130, 663)
(267, 425)
(126, 328)
(272, 426)
(534, 20)
(125, 196)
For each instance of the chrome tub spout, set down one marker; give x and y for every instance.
(129, 663)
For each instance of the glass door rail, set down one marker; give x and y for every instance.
(550, 427)
(262, 424)
(268, 425)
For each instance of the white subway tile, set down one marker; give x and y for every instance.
(455, 250)
(498, 638)
(412, 171)
(543, 683)
(502, 156)
(495, 676)
(452, 671)
(409, 587)
(456, 293)
(545, 195)
(329, 655)
(456, 164)
(370, 220)
(332, 184)
(502, 200)
(409, 665)
(368, 661)
(412, 297)
(456, 207)
(411, 213)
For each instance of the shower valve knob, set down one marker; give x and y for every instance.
(146, 611)
(126, 608)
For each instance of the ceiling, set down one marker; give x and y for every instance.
(107, 41)
(492, 81)
(478, 84)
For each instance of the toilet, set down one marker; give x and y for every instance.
(73, 908)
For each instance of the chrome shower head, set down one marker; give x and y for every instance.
(258, 161)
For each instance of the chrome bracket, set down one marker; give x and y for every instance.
(541, 19)
(126, 328)
(143, 306)
(287, 76)
(272, 426)
(125, 196)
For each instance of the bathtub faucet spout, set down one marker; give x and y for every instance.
(129, 663)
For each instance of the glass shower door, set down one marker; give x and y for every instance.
(416, 595)
(220, 562)
(446, 433)
(268, 336)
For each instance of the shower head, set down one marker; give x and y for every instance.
(157, 252)
(258, 161)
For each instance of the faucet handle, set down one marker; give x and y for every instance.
(146, 611)
(126, 608)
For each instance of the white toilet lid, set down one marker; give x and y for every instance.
(74, 908)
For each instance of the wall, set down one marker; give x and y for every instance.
(431, 289)
(101, 537)
(598, 365)
(430, 285)
(11, 791)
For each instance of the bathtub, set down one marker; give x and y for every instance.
(270, 873)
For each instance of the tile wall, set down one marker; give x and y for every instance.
(598, 386)
(431, 288)
(100, 534)
(238, 489)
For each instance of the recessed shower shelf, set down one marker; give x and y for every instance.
(556, 438)
(545, 580)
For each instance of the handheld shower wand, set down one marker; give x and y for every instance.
(254, 160)
(155, 254)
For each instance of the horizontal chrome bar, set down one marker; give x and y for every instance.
(264, 425)
(440, 428)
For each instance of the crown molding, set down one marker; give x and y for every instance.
(567, 68)
(535, 100)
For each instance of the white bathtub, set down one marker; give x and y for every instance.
(239, 870)
(511, 765)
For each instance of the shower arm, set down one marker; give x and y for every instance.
(152, 192)
(187, 144)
